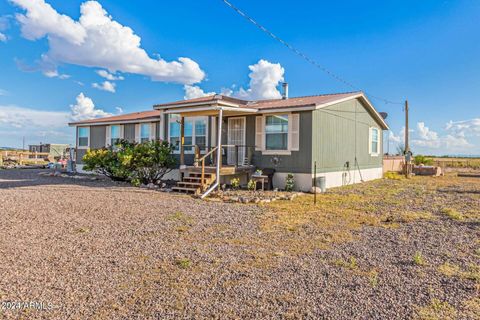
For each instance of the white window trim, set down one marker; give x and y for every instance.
(78, 138)
(370, 140)
(193, 119)
(264, 150)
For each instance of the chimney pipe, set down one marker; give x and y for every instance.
(285, 90)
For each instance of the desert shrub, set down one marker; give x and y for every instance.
(392, 176)
(113, 162)
(235, 182)
(418, 259)
(152, 160)
(252, 185)
(423, 160)
(289, 182)
(452, 214)
(138, 163)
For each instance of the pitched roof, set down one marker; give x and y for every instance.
(262, 104)
(129, 117)
(301, 101)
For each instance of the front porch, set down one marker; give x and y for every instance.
(219, 148)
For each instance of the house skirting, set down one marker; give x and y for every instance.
(304, 181)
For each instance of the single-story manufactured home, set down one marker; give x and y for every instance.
(217, 137)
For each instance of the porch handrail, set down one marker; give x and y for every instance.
(202, 159)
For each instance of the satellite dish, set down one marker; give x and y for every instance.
(384, 115)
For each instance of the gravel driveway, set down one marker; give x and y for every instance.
(81, 249)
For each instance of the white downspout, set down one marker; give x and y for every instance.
(219, 154)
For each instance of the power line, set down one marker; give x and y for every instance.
(303, 55)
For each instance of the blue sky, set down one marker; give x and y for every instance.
(426, 51)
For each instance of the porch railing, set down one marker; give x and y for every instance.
(236, 155)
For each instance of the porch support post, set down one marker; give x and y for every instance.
(182, 140)
(219, 145)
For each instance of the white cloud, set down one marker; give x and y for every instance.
(192, 92)
(395, 139)
(105, 86)
(3, 92)
(18, 117)
(4, 25)
(85, 109)
(430, 141)
(465, 128)
(425, 133)
(107, 75)
(44, 65)
(96, 40)
(264, 79)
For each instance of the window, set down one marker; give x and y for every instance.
(195, 132)
(174, 131)
(114, 135)
(83, 136)
(145, 132)
(201, 133)
(276, 132)
(375, 142)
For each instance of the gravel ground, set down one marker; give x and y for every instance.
(100, 250)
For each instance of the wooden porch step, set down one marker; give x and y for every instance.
(186, 189)
(198, 180)
(189, 184)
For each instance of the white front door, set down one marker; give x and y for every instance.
(236, 136)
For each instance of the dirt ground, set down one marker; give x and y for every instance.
(388, 249)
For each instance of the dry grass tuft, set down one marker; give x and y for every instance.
(418, 259)
(436, 310)
(183, 263)
(453, 214)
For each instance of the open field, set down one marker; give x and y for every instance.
(457, 163)
(388, 249)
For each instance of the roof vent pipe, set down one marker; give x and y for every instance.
(285, 90)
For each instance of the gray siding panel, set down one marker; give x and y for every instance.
(341, 134)
(157, 130)
(80, 153)
(97, 137)
(299, 161)
(129, 132)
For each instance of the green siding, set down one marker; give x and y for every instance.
(129, 132)
(341, 134)
(97, 137)
(298, 161)
(80, 153)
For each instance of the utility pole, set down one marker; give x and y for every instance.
(23, 143)
(407, 144)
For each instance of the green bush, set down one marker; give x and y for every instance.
(235, 182)
(152, 160)
(423, 160)
(138, 163)
(289, 183)
(252, 185)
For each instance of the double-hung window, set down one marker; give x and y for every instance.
(195, 132)
(83, 137)
(276, 132)
(201, 132)
(114, 135)
(374, 141)
(174, 131)
(145, 132)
